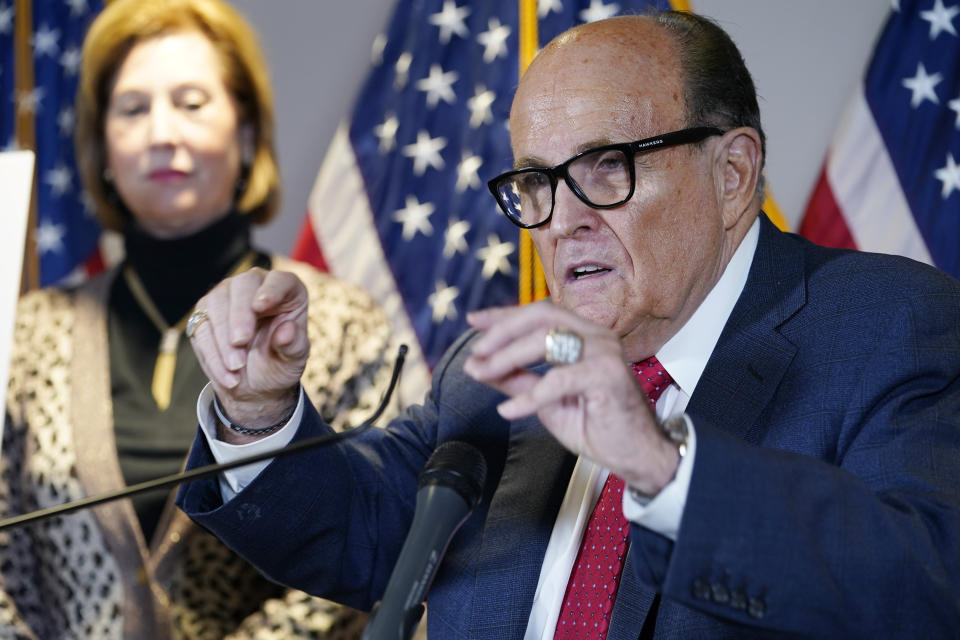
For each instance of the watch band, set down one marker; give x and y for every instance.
(676, 430)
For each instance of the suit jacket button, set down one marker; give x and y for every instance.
(721, 595)
(701, 590)
(738, 600)
(756, 607)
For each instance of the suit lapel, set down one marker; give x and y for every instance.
(741, 376)
(751, 355)
(518, 527)
(631, 606)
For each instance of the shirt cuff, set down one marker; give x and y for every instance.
(233, 481)
(662, 513)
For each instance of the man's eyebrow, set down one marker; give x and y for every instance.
(530, 162)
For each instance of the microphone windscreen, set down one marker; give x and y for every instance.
(459, 466)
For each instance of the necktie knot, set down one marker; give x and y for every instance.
(653, 378)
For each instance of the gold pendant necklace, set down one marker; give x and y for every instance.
(162, 385)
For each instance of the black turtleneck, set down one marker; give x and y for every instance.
(176, 273)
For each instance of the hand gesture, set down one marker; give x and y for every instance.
(593, 406)
(251, 340)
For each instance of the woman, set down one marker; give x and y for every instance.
(175, 142)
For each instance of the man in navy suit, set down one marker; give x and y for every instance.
(789, 461)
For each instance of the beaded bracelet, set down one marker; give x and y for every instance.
(247, 431)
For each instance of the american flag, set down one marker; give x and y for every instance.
(891, 179)
(66, 232)
(400, 205)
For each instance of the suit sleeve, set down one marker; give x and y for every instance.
(331, 520)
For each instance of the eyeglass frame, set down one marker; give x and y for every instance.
(689, 135)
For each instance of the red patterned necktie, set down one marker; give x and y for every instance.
(592, 589)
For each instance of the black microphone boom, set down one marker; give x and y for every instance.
(213, 469)
(449, 488)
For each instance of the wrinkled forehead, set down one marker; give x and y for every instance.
(614, 81)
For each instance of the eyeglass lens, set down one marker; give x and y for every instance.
(602, 177)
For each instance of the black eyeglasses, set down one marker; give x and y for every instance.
(602, 177)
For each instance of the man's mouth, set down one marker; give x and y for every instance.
(586, 271)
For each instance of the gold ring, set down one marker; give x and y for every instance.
(197, 318)
(563, 347)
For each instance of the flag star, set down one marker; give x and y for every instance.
(895, 5)
(45, 41)
(78, 7)
(66, 121)
(441, 301)
(30, 101)
(494, 40)
(922, 86)
(450, 20)
(479, 106)
(949, 175)
(425, 151)
(402, 68)
(940, 19)
(376, 50)
(415, 217)
(59, 179)
(438, 86)
(6, 19)
(495, 256)
(11, 144)
(544, 7)
(467, 177)
(387, 132)
(955, 106)
(454, 240)
(49, 237)
(70, 60)
(599, 11)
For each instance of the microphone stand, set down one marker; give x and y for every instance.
(211, 469)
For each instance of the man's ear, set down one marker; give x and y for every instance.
(740, 163)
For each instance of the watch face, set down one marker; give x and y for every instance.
(676, 429)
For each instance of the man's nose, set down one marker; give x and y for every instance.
(570, 213)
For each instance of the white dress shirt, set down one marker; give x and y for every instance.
(684, 356)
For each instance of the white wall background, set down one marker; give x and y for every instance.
(806, 58)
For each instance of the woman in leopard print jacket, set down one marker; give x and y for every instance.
(175, 141)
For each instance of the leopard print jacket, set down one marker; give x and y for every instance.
(90, 574)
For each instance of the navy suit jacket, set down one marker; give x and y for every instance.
(823, 501)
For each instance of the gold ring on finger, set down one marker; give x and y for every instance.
(197, 318)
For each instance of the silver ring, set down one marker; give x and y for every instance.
(563, 346)
(197, 318)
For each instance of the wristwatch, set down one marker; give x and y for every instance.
(675, 428)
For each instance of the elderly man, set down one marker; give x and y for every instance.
(768, 429)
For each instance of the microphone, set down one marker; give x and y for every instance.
(449, 488)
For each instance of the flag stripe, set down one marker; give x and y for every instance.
(824, 223)
(864, 183)
(305, 247)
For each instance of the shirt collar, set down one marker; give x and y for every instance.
(685, 355)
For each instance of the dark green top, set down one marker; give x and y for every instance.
(176, 273)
